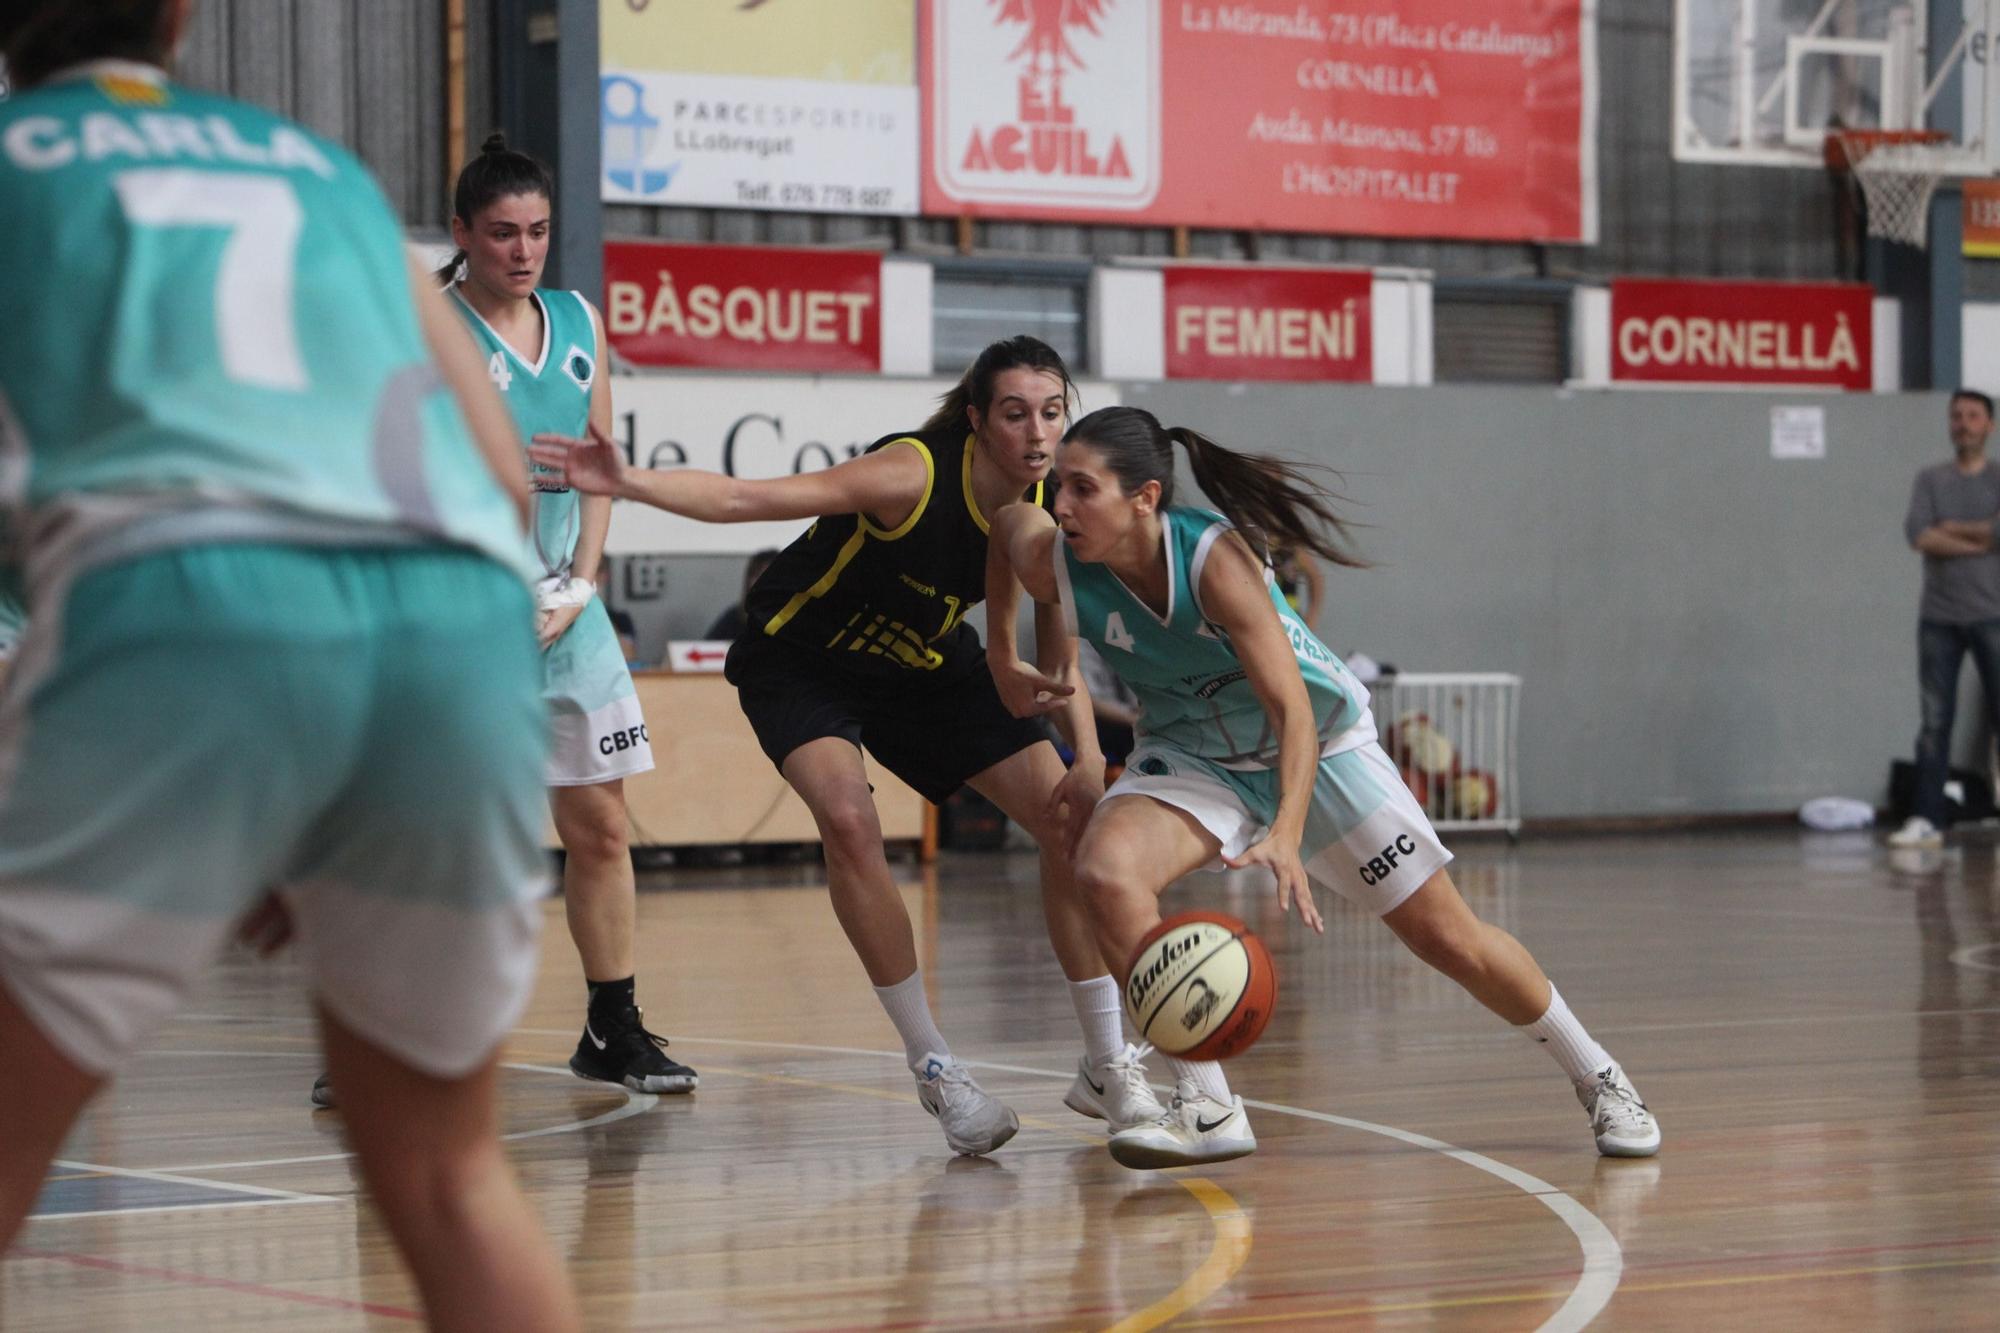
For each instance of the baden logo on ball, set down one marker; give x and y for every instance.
(1200, 986)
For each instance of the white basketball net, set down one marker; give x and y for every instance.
(1897, 179)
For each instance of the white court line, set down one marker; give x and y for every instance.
(168, 1177)
(1603, 1258)
(178, 1208)
(635, 1102)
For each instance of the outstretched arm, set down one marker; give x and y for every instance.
(886, 484)
(1233, 595)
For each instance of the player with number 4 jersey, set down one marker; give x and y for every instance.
(1254, 745)
(260, 499)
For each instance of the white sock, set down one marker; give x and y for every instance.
(910, 1011)
(1206, 1075)
(1100, 1013)
(1573, 1048)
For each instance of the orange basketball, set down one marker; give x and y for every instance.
(1200, 986)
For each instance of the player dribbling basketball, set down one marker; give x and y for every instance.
(1256, 746)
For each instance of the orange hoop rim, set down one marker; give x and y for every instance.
(1846, 147)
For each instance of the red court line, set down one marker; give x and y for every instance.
(219, 1283)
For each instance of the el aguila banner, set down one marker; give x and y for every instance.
(1445, 118)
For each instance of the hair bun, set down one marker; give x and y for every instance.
(496, 142)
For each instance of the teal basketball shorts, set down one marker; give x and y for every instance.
(1366, 836)
(359, 729)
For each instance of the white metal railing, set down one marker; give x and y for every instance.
(1453, 737)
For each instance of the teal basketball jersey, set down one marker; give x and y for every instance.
(551, 393)
(209, 335)
(1193, 692)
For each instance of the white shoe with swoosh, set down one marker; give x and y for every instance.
(1195, 1129)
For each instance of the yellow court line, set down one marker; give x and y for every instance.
(1230, 1252)
(1518, 1298)
(1226, 1257)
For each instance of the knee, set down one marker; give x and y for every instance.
(1102, 873)
(596, 836)
(432, 1188)
(1453, 948)
(850, 828)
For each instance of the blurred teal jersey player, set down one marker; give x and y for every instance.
(258, 541)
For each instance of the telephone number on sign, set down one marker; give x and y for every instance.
(830, 198)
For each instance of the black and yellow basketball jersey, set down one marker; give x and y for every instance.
(886, 601)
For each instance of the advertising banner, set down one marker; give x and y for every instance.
(743, 307)
(1982, 217)
(1235, 322)
(1442, 118)
(770, 104)
(1798, 333)
(756, 426)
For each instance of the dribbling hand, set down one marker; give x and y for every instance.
(1281, 855)
(594, 465)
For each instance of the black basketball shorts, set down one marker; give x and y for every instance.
(933, 733)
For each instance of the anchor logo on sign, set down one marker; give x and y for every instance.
(629, 132)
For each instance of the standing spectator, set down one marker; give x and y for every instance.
(1953, 511)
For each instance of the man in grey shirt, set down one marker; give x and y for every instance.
(1954, 509)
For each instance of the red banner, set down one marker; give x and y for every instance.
(1239, 323)
(1671, 331)
(743, 307)
(1981, 217)
(1448, 118)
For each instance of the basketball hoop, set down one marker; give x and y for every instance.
(1898, 171)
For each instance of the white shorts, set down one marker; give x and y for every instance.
(1366, 836)
(597, 732)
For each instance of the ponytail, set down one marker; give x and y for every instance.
(1271, 498)
(975, 387)
(1274, 504)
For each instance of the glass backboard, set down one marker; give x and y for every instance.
(1761, 82)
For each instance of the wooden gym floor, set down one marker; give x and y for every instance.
(1816, 1022)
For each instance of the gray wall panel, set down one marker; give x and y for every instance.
(1700, 629)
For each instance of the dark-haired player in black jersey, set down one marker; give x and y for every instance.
(857, 636)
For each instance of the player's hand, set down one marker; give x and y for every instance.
(267, 927)
(1026, 691)
(1074, 800)
(550, 624)
(594, 465)
(1281, 855)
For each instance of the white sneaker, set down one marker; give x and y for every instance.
(974, 1121)
(1917, 832)
(1115, 1090)
(1621, 1122)
(1196, 1128)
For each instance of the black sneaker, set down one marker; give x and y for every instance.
(322, 1093)
(623, 1052)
